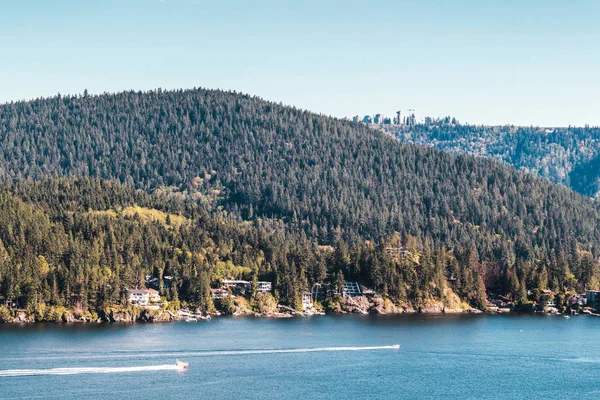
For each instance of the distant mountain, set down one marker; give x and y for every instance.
(313, 180)
(569, 156)
(585, 177)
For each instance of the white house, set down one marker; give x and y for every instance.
(230, 283)
(139, 297)
(153, 296)
(307, 301)
(143, 297)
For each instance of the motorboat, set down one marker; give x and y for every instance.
(181, 365)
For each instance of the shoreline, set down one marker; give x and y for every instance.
(360, 305)
(210, 316)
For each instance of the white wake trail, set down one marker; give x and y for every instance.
(109, 370)
(84, 370)
(299, 350)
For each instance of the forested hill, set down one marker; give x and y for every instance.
(260, 158)
(570, 156)
(322, 180)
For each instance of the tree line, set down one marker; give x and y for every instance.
(202, 185)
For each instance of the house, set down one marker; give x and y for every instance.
(152, 281)
(351, 289)
(143, 297)
(366, 290)
(219, 293)
(592, 297)
(321, 290)
(229, 283)
(307, 301)
(139, 297)
(578, 299)
(153, 296)
(264, 287)
(397, 251)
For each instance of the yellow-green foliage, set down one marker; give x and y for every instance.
(5, 314)
(151, 215)
(144, 214)
(54, 313)
(228, 270)
(452, 300)
(265, 303)
(46, 313)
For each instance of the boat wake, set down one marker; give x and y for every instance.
(299, 350)
(88, 370)
(206, 353)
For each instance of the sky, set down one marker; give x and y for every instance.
(522, 62)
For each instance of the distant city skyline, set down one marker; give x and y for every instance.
(493, 62)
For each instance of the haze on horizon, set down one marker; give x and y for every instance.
(495, 62)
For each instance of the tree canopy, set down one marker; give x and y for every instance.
(102, 191)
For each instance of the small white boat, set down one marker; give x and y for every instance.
(396, 346)
(181, 365)
(191, 319)
(567, 317)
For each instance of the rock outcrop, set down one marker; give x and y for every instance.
(376, 304)
(121, 316)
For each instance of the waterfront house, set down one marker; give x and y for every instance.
(264, 287)
(592, 297)
(139, 297)
(218, 293)
(366, 290)
(231, 283)
(307, 301)
(578, 299)
(351, 289)
(143, 297)
(153, 296)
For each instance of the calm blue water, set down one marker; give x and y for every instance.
(530, 356)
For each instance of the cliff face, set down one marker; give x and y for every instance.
(145, 315)
(450, 303)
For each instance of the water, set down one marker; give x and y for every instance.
(346, 357)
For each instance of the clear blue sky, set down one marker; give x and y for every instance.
(483, 61)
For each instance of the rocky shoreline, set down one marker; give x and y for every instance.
(374, 305)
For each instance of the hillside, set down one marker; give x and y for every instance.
(210, 158)
(569, 156)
